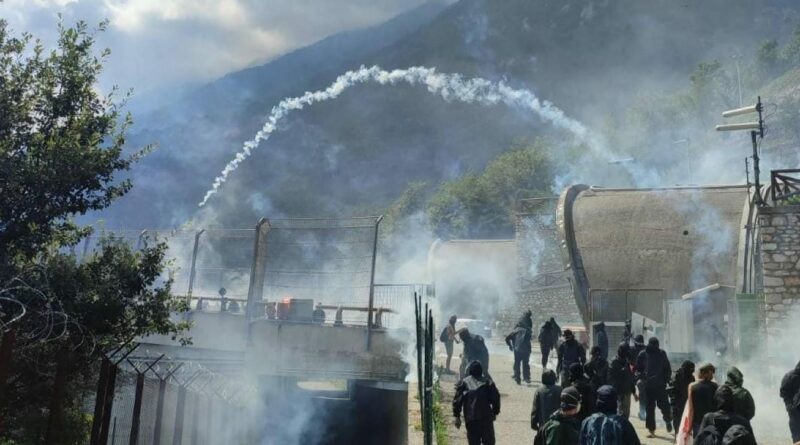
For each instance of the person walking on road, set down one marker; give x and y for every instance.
(654, 370)
(743, 403)
(563, 427)
(548, 337)
(605, 426)
(478, 398)
(638, 347)
(601, 339)
(597, 368)
(519, 341)
(448, 337)
(578, 380)
(474, 349)
(620, 376)
(569, 353)
(701, 396)
(716, 424)
(679, 391)
(790, 393)
(546, 399)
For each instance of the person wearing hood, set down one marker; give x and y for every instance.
(478, 398)
(569, 353)
(526, 319)
(546, 399)
(743, 403)
(597, 368)
(474, 349)
(621, 378)
(790, 393)
(563, 427)
(578, 380)
(605, 426)
(654, 370)
(679, 391)
(636, 349)
(548, 337)
(601, 339)
(519, 342)
(723, 418)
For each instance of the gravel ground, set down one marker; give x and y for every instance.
(513, 424)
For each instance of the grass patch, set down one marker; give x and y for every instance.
(439, 416)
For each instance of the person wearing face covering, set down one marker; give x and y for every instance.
(743, 403)
(563, 427)
(579, 381)
(478, 398)
(790, 393)
(678, 391)
(715, 425)
(621, 378)
(605, 426)
(654, 370)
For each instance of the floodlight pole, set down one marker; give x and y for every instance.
(372, 283)
(753, 135)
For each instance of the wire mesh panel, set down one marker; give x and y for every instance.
(327, 260)
(399, 298)
(224, 260)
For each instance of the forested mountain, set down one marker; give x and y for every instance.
(627, 68)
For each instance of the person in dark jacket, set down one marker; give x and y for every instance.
(597, 368)
(790, 393)
(743, 403)
(569, 353)
(563, 427)
(621, 378)
(546, 399)
(578, 380)
(601, 339)
(605, 426)
(724, 417)
(638, 347)
(548, 337)
(679, 391)
(701, 396)
(478, 397)
(474, 349)
(519, 341)
(526, 319)
(653, 369)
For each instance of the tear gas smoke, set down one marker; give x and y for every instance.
(448, 86)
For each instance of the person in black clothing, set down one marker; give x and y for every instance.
(627, 333)
(621, 378)
(478, 397)
(790, 393)
(597, 368)
(578, 380)
(724, 417)
(605, 426)
(569, 353)
(653, 369)
(679, 391)
(546, 400)
(601, 339)
(701, 396)
(548, 339)
(474, 349)
(636, 349)
(525, 320)
(519, 341)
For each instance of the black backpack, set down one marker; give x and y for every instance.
(709, 435)
(738, 435)
(443, 337)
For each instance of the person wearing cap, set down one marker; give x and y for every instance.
(546, 399)
(569, 352)
(478, 398)
(605, 426)
(563, 427)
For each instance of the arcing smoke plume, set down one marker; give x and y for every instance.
(448, 86)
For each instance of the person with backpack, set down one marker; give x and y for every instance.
(654, 370)
(548, 339)
(563, 427)
(621, 378)
(790, 393)
(716, 424)
(519, 341)
(678, 391)
(601, 339)
(569, 353)
(474, 349)
(743, 403)
(478, 398)
(701, 397)
(448, 337)
(597, 368)
(546, 399)
(605, 426)
(578, 380)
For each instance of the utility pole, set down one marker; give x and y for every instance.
(756, 132)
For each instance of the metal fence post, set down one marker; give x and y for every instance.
(193, 271)
(257, 269)
(162, 388)
(177, 436)
(372, 283)
(108, 403)
(99, 401)
(137, 409)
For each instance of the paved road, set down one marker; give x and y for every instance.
(513, 424)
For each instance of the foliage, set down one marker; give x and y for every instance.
(61, 141)
(440, 415)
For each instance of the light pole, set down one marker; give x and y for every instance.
(756, 131)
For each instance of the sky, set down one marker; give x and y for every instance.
(160, 44)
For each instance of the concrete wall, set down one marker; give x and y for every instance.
(780, 255)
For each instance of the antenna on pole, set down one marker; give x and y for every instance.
(756, 132)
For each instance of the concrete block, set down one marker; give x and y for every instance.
(773, 281)
(778, 221)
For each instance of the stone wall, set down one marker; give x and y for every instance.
(780, 256)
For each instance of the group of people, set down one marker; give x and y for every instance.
(591, 402)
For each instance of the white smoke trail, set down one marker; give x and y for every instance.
(449, 86)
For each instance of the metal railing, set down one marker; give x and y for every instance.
(785, 185)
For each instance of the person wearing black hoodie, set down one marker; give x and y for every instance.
(478, 397)
(474, 349)
(621, 378)
(519, 341)
(601, 339)
(546, 399)
(548, 337)
(654, 370)
(578, 380)
(724, 417)
(790, 393)
(679, 391)
(597, 368)
(636, 349)
(605, 426)
(569, 353)
(743, 403)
